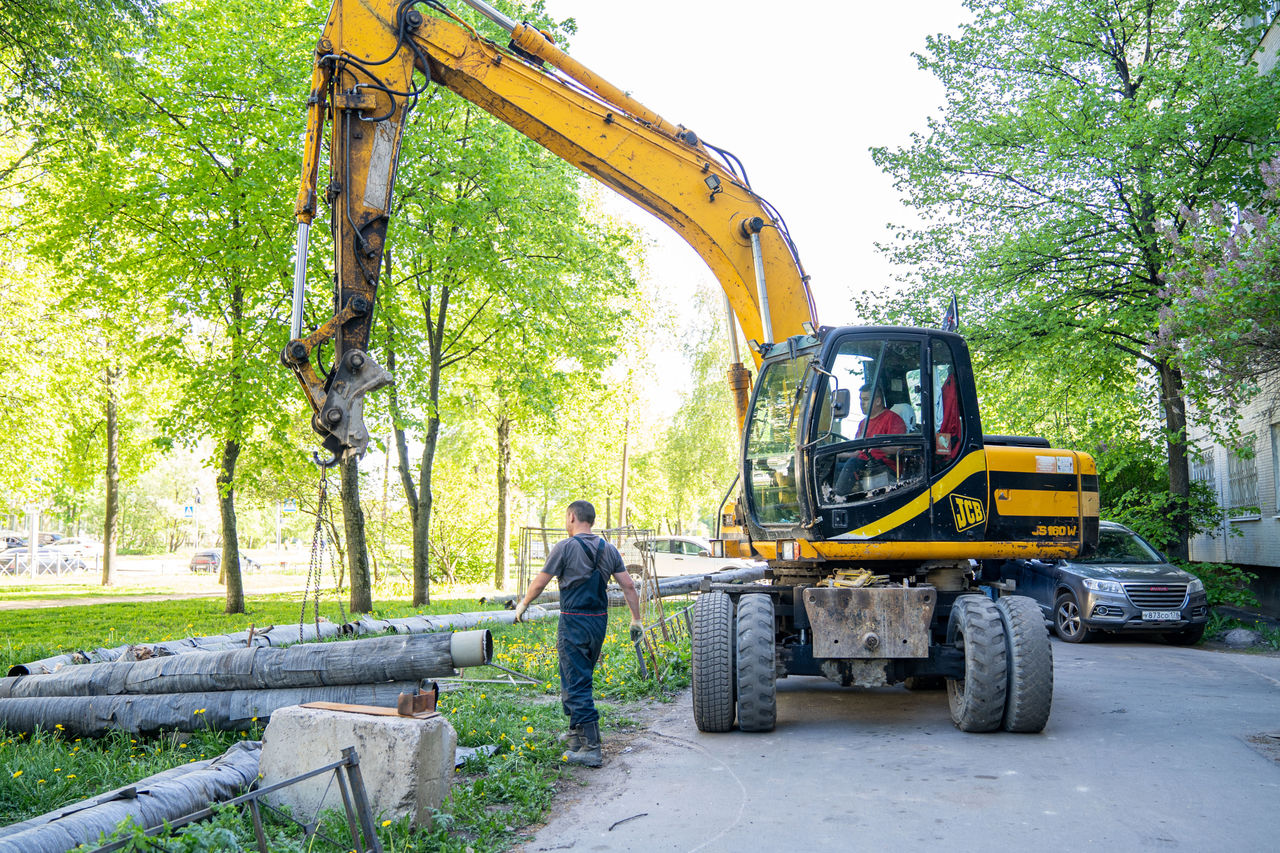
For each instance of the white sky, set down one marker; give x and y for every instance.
(799, 91)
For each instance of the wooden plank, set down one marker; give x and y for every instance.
(371, 710)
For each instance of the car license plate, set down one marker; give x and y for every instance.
(1161, 615)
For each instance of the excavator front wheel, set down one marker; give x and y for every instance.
(977, 700)
(757, 667)
(712, 667)
(1030, 664)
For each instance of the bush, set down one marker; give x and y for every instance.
(1152, 515)
(1224, 583)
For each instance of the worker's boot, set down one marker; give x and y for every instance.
(572, 739)
(587, 755)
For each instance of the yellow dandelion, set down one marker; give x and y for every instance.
(39, 781)
(57, 770)
(17, 773)
(528, 729)
(386, 823)
(71, 775)
(59, 727)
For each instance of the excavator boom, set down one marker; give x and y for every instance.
(376, 57)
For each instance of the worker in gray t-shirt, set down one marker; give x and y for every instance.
(584, 563)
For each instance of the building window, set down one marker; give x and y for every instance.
(1202, 471)
(1242, 480)
(1275, 463)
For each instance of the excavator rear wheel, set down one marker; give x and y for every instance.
(1030, 665)
(712, 666)
(977, 700)
(757, 667)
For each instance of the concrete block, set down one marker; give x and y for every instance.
(407, 764)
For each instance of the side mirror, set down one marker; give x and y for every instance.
(704, 553)
(840, 404)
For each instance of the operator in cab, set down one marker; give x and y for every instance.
(878, 421)
(584, 563)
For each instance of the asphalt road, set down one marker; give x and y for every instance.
(1145, 750)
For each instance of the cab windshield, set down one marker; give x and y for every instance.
(770, 459)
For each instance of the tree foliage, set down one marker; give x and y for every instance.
(1071, 131)
(1223, 316)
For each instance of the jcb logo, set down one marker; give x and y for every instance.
(967, 511)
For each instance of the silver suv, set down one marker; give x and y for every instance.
(1125, 586)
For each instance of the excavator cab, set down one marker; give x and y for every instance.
(850, 427)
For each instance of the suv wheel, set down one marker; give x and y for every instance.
(1068, 621)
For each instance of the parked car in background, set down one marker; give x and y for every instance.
(1125, 586)
(11, 539)
(49, 561)
(210, 560)
(79, 546)
(689, 555)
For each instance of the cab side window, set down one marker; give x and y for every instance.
(948, 421)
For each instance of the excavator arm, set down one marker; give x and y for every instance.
(376, 57)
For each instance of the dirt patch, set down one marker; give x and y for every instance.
(1266, 743)
(580, 787)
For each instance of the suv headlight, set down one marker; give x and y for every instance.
(1103, 586)
(1195, 586)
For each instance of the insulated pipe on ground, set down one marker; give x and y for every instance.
(364, 661)
(227, 711)
(150, 802)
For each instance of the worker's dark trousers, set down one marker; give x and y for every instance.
(578, 642)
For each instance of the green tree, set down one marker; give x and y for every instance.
(498, 269)
(182, 207)
(1071, 131)
(1223, 318)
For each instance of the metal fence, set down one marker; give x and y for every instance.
(47, 562)
(633, 543)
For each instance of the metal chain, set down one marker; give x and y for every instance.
(315, 570)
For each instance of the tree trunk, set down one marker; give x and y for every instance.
(504, 499)
(230, 539)
(357, 552)
(422, 520)
(110, 526)
(1175, 417)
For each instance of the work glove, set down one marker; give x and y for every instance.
(520, 609)
(636, 630)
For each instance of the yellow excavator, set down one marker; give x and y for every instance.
(865, 479)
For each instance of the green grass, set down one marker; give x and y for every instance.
(492, 799)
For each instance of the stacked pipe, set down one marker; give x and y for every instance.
(232, 690)
(273, 636)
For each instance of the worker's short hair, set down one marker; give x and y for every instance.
(583, 511)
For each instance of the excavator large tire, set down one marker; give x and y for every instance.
(1029, 690)
(757, 667)
(977, 700)
(712, 664)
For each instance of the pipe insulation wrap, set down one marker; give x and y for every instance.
(227, 711)
(362, 661)
(150, 802)
(470, 648)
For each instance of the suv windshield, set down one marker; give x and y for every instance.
(1123, 546)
